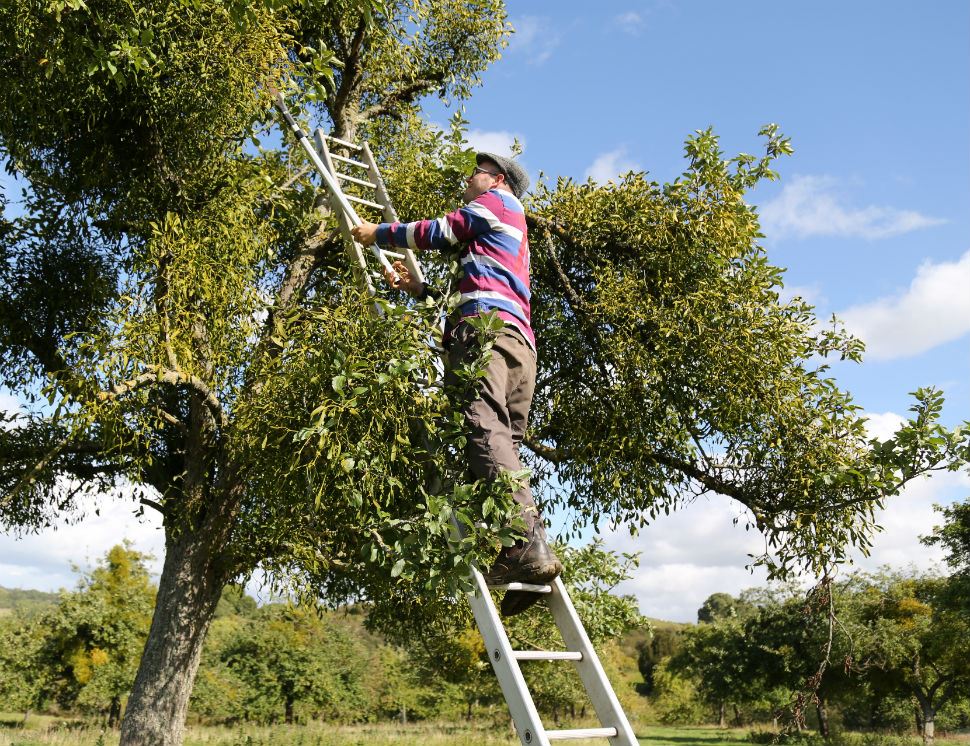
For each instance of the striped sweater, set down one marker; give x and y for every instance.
(494, 256)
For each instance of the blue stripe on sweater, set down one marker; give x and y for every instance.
(481, 305)
(473, 269)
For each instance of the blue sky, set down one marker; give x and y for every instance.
(870, 216)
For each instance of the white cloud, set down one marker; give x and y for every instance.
(910, 515)
(883, 425)
(608, 166)
(811, 206)
(631, 22)
(698, 550)
(688, 555)
(494, 141)
(43, 561)
(934, 309)
(809, 293)
(534, 37)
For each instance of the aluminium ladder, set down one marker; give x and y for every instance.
(505, 661)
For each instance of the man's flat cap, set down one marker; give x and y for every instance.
(515, 175)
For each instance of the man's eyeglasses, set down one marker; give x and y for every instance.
(479, 170)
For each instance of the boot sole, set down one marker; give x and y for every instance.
(536, 573)
(516, 602)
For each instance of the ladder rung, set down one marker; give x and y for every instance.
(547, 655)
(522, 587)
(356, 181)
(352, 145)
(568, 735)
(364, 202)
(351, 161)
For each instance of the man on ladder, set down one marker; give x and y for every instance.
(490, 230)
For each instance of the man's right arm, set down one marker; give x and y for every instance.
(442, 234)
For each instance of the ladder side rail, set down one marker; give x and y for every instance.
(528, 725)
(390, 214)
(328, 177)
(380, 188)
(590, 670)
(354, 249)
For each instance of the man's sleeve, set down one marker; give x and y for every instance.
(456, 227)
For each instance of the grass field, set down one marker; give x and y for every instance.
(48, 731)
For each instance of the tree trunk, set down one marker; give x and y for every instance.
(114, 712)
(823, 718)
(288, 711)
(721, 714)
(929, 724)
(188, 592)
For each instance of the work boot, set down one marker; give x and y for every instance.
(515, 602)
(527, 561)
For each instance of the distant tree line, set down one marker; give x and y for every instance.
(77, 653)
(887, 650)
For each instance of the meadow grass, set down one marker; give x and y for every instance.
(52, 731)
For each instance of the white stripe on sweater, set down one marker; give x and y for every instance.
(491, 295)
(494, 223)
(446, 231)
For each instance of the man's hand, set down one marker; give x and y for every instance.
(402, 279)
(365, 234)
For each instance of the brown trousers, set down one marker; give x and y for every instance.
(496, 420)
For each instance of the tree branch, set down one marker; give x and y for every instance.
(348, 81)
(708, 481)
(391, 102)
(170, 377)
(152, 504)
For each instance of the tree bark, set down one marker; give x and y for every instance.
(823, 718)
(721, 714)
(114, 712)
(188, 591)
(929, 724)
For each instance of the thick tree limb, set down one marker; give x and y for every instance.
(300, 269)
(571, 294)
(153, 504)
(31, 474)
(349, 82)
(407, 94)
(172, 378)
